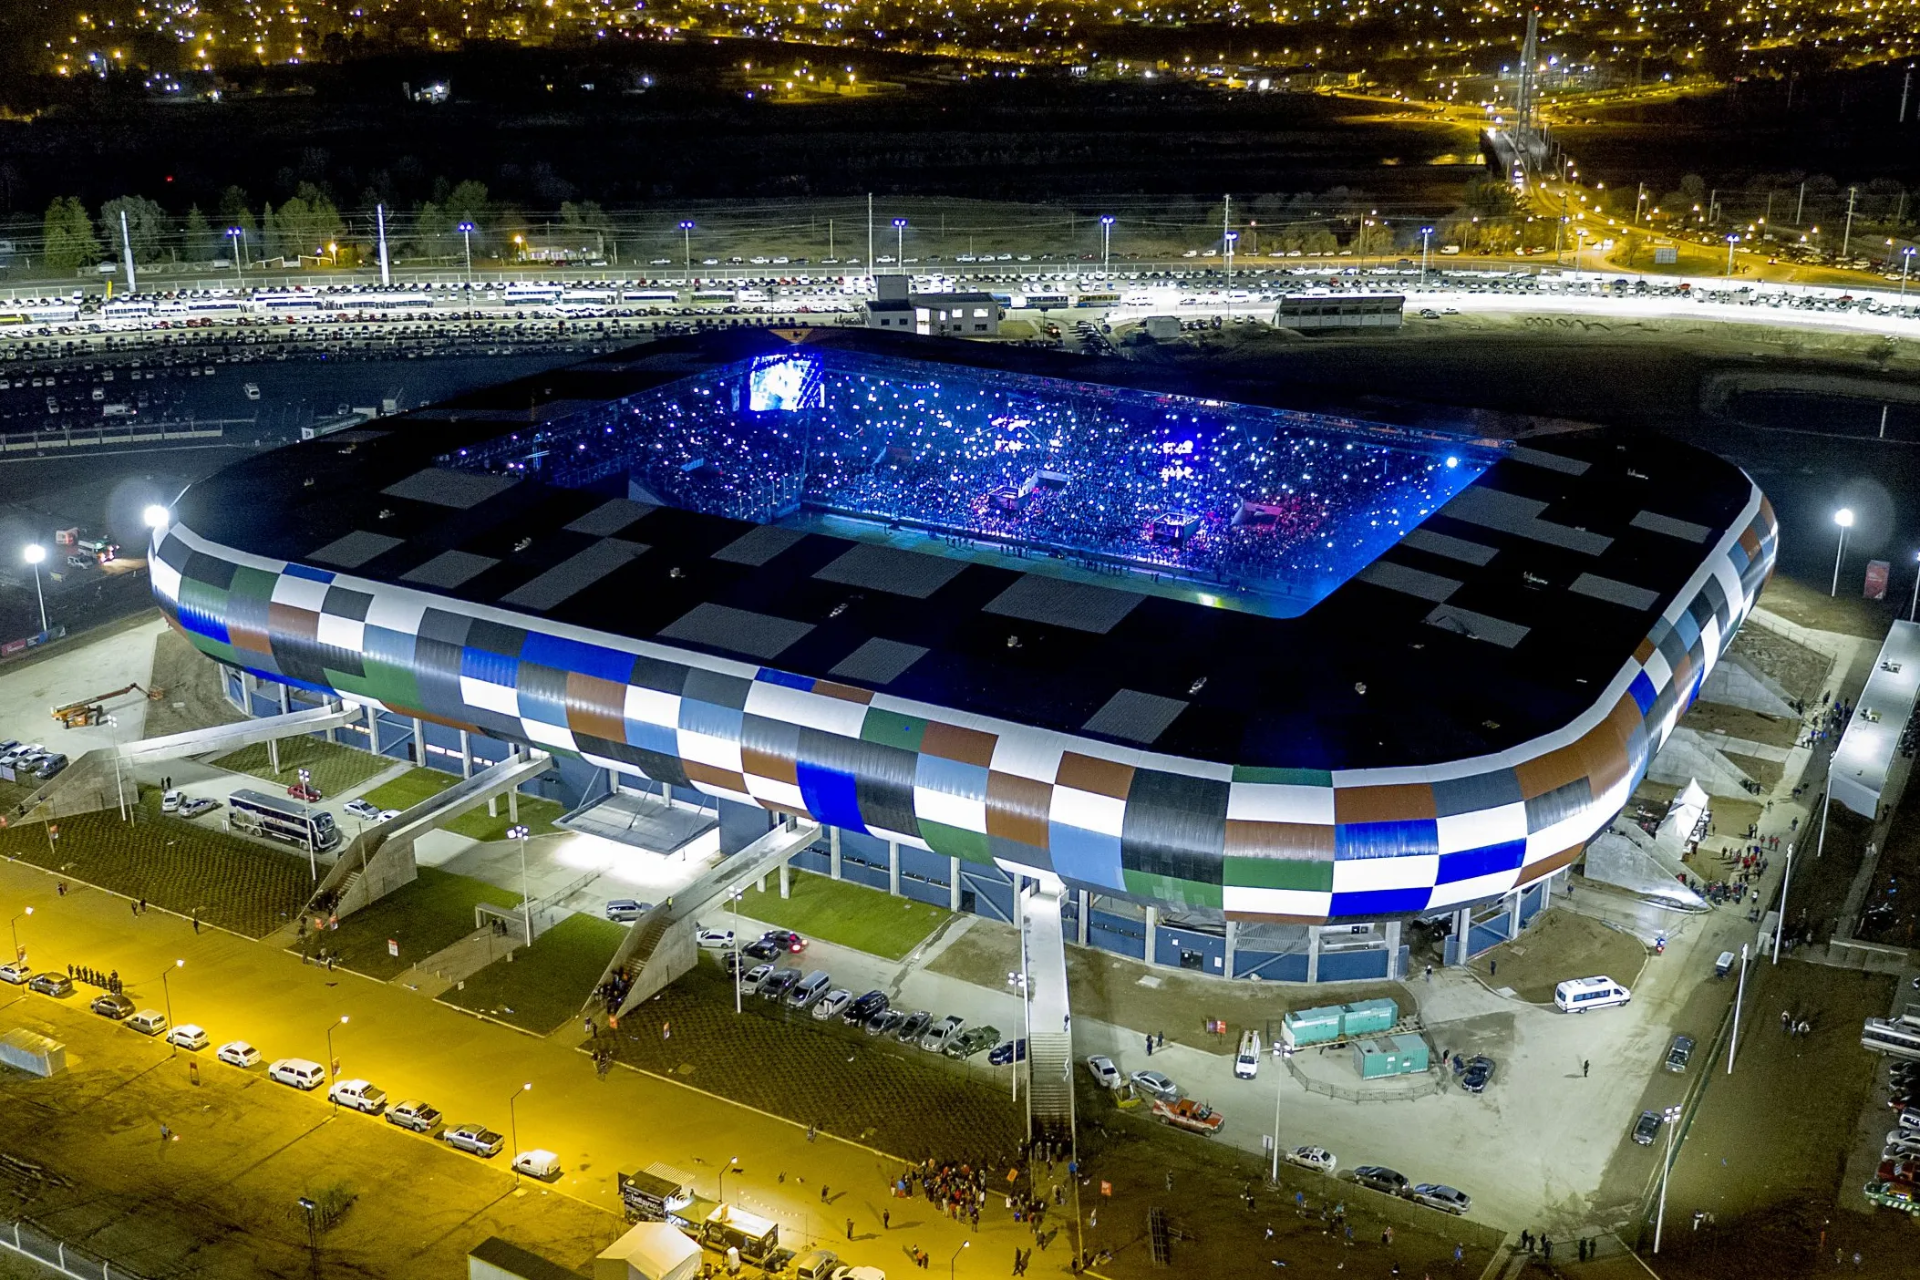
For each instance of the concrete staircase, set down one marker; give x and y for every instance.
(1049, 1028)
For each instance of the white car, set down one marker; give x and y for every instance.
(198, 805)
(1437, 1195)
(361, 1095)
(714, 939)
(1318, 1158)
(1155, 1085)
(16, 973)
(753, 977)
(537, 1164)
(362, 810)
(388, 815)
(170, 800)
(188, 1036)
(1105, 1074)
(238, 1053)
(303, 1074)
(413, 1114)
(836, 1002)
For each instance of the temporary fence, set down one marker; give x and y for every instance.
(30, 1241)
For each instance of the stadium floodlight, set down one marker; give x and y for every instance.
(1426, 238)
(1732, 240)
(466, 234)
(900, 244)
(239, 238)
(526, 910)
(1844, 518)
(156, 516)
(1106, 243)
(35, 554)
(1906, 265)
(686, 236)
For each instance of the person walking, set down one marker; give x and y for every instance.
(886, 1219)
(1585, 1066)
(849, 1228)
(823, 1193)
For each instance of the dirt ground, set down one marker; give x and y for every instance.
(1561, 945)
(1147, 998)
(1797, 669)
(1807, 604)
(1767, 773)
(194, 698)
(1738, 722)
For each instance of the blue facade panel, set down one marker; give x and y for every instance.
(1185, 949)
(1355, 966)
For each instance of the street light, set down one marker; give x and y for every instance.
(1106, 243)
(33, 553)
(239, 239)
(306, 818)
(513, 1124)
(721, 1194)
(173, 1050)
(686, 237)
(466, 234)
(1731, 241)
(951, 1262)
(900, 244)
(1906, 265)
(1232, 238)
(1671, 1118)
(1426, 238)
(1915, 606)
(156, 516)
(526, 906)
(333, 1063)
(19, 952)
(1844, 518)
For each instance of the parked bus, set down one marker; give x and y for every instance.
(531, 293)
(385, 302)
(282, 818)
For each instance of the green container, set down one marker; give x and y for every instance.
(1374, 1059)
(1311, 1026)
(1414, 1054)
(1368, 1017)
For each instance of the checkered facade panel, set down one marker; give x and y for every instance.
(1258, 843)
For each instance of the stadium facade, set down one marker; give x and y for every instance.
(988, 614)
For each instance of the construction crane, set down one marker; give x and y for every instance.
(91, 711)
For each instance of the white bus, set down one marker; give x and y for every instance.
(1896, 1037)
(1577, 995)
(530, 293)
(278, 303)
(650, 295)
(384, 302)
(282, 818)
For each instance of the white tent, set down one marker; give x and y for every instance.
(651, 1251)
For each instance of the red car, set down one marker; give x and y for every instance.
(304, 791)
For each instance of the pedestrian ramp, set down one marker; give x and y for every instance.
(1049, 1019)
(224, 738)
(660, 946)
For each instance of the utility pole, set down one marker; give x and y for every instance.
(380, 222)
(1848, 233)
(126, 252)
(1786, 882)
(1906, 83)
(1799, 204)
(869, 235)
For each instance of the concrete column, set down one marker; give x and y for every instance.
(373, 727)
(273, 754)
(1086, 909)
(513, 803)
(1393, 949)
(893, 868)
(1513, 913)
(1462, 925)
(833, 852)
(953, 884)
(247, 683)
(786, 879)
(1153, 928)
(286, 699)
(466, 754)
(419, 742)
(613, 782)
(1230, 940)
(1313, 953)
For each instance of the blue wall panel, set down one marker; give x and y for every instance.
(1171, 944)
(741, 825)
(1354, 966)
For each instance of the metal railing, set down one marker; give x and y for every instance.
(29, 1241)
(1430, 1084)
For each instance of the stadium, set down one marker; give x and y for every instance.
(1247, 687)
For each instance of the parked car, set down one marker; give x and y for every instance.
(57, 985)
(774, 943)
(544, 1165)
(170, 801)
(1679, 1053)
(299, 1073)
(1646, 1128)
(305, 791)
(971, 1041)
(475, 1139)
(238, 1053)
(626, 910)
(1008, 1052)
(109, 1005)
(914, 1027)
(188, 1036)
(198, 805)
(753, 977)
(886, 1022)
(1898, 1170)
(360, 1095)
(1478, 1074)
(940, 1034)
(1438, 1195)
(833, 1004)
(714, 939)
(362, 810)
(1381, 1178)
(1318, 1158)
(1105, 1074)
(149, 1022)
(777, 985)
(1154, 1084)
(413, 1114)
(17, 973)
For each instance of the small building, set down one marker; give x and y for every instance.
(1383, 1056)
(938, 315)
(651, 1251)
(1310, 312)
(32, 1053)
(1162, 328)
(495, 1259)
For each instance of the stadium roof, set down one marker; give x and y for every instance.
(1873, 736)
(1499, 620)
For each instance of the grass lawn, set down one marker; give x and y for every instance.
(173, 863)
(851, 915)
(433, 912)
(410, 788)
(543, 985)
(334, 768)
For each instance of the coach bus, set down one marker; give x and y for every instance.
(385, 302)
(1895, 1037)
(650, 295)
(1097, 300)
(712, 295)
(530, 293)
(280, 303)
(282, 818)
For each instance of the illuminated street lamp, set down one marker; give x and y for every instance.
(173, 1050)
(1915, 606)
(466, 234)
(1106, 243)
(19, 952)
(1906, 265)
(1671, 1119)
(33, 553)
(733, 1162)
(526, 903)
(1426, 237)
(686, 237)
(239, 239)
(1232, 238)
(306, 818)
(1732, 240)
(513, 1125)
(951, 1262)
(900, 244)
(333, 1063)
(1844, 518)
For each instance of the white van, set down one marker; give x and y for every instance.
(298, 1072)
(148, 1022)
(815, 1264)
(537, 1164)
(810, 989)
(1246, 1063)
(1577, 995)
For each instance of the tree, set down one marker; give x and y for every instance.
(146, 226)
(201, 244)
(235, 213)
(308, 221)
(70, 242)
